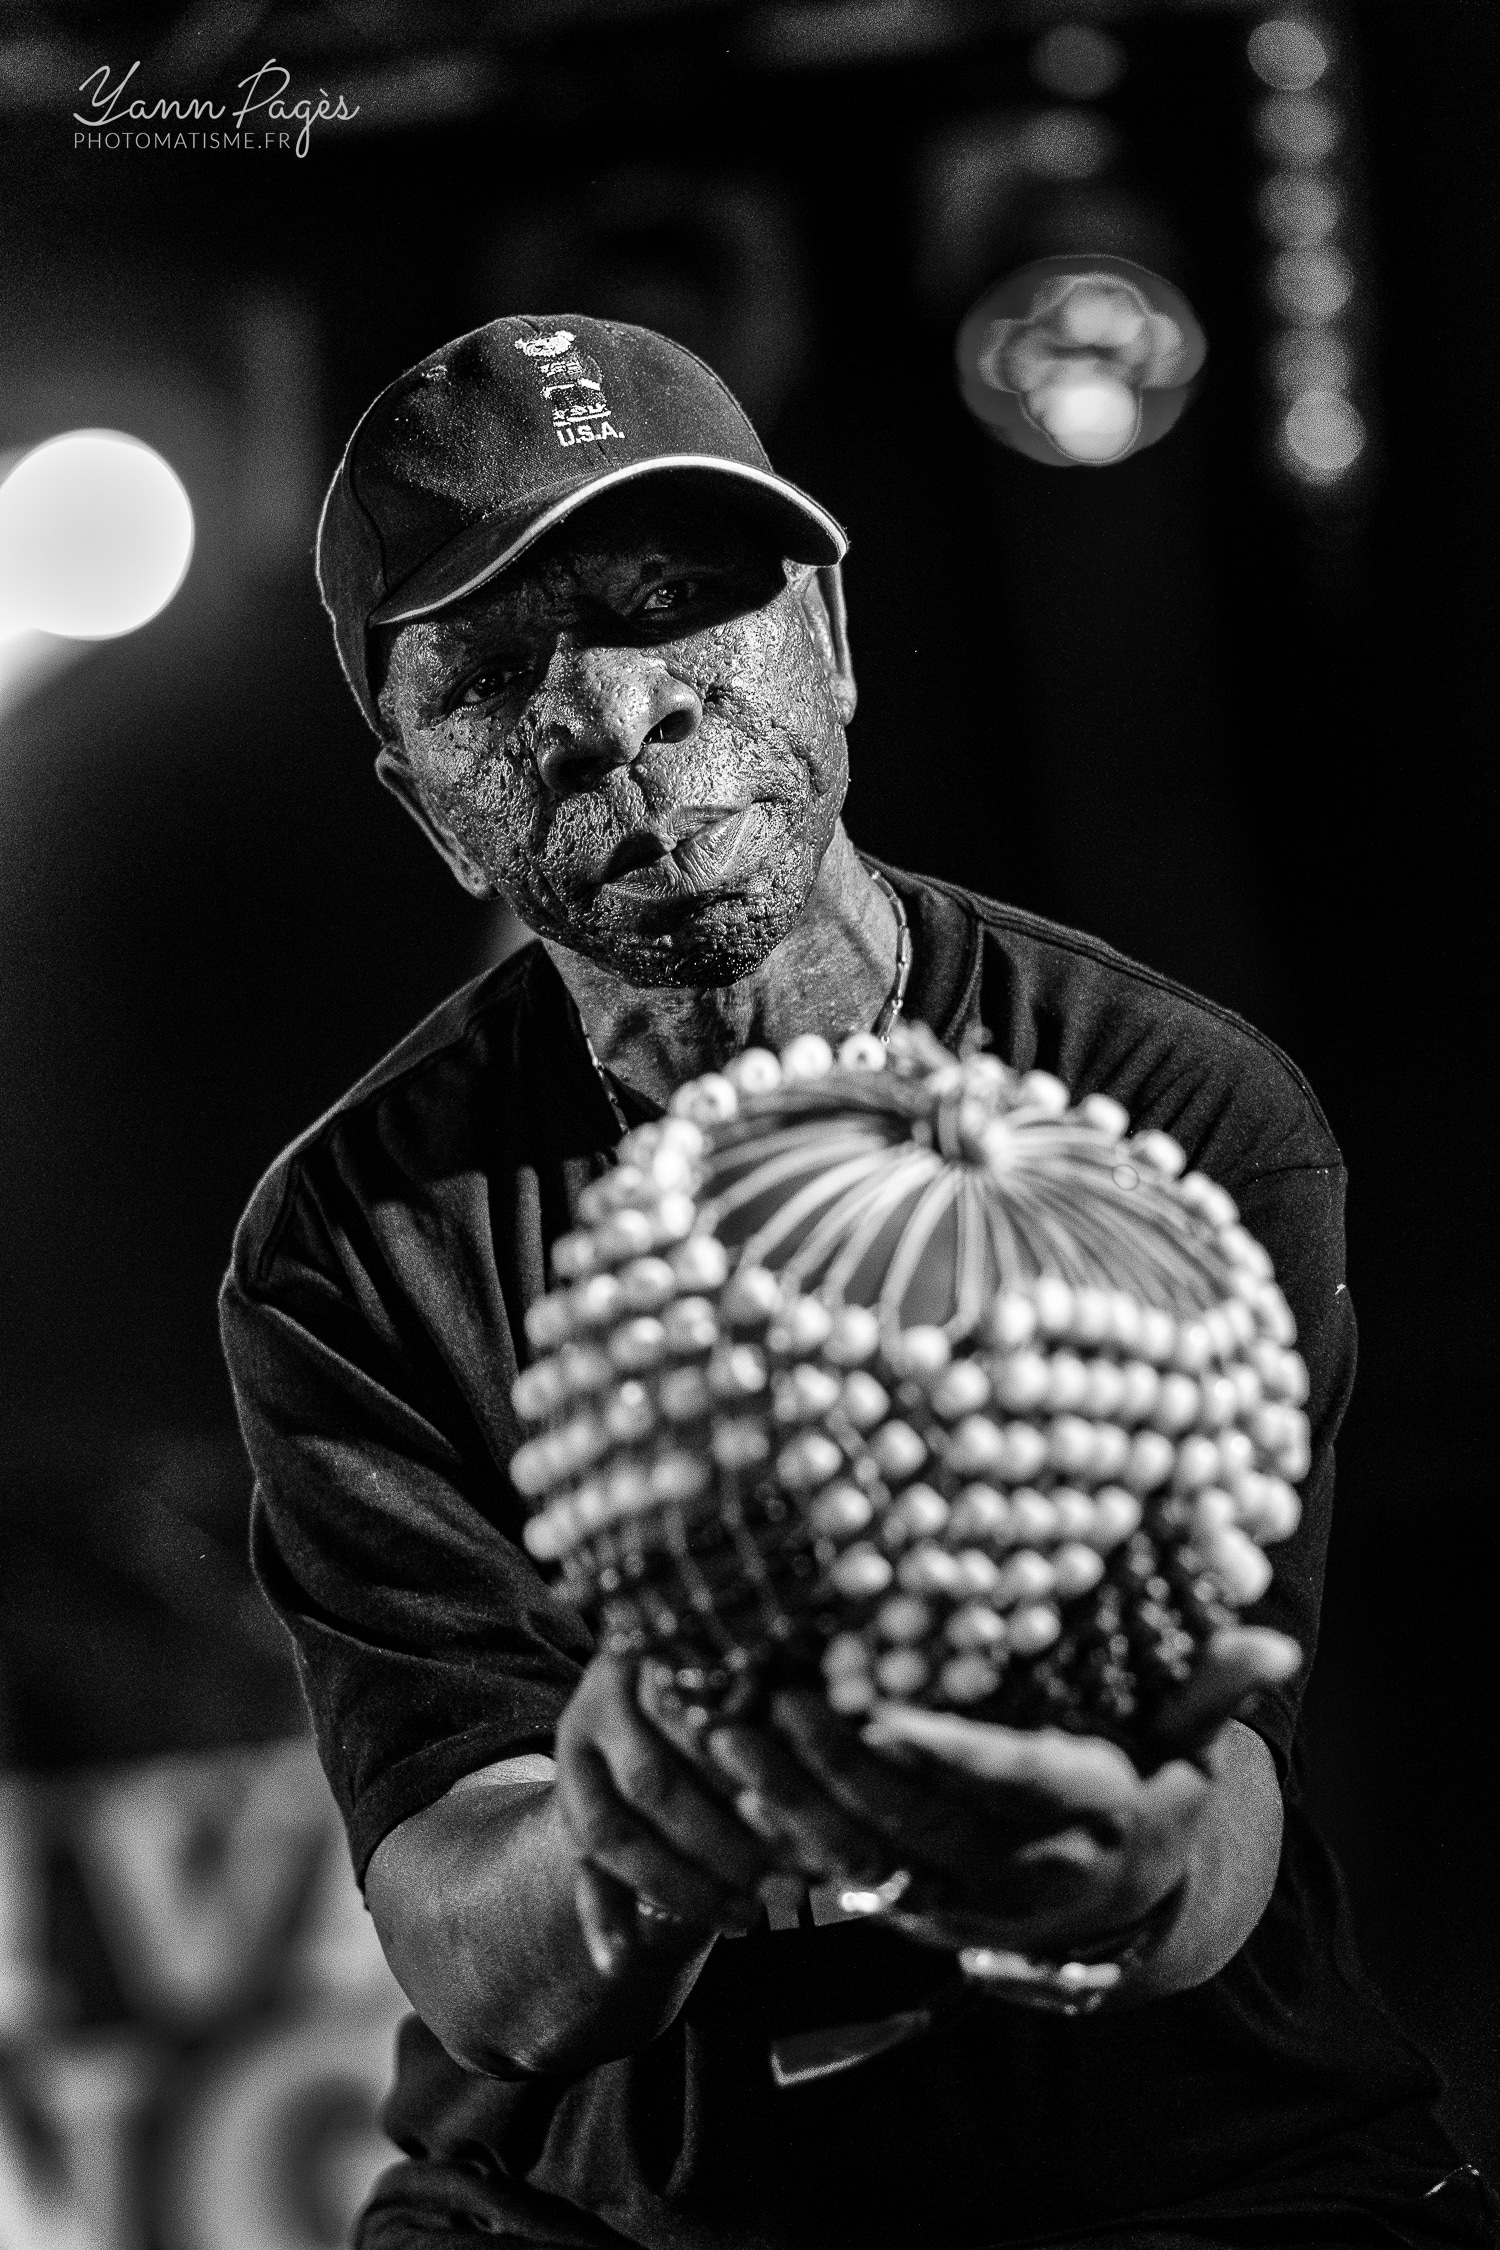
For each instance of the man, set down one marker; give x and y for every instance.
(604, 649)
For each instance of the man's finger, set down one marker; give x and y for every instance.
(612, 1834)
(784, 1803)
(1237, 1664)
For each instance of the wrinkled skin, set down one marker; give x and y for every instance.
(574, 735)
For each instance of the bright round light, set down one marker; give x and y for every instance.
(96, 533)
(1309, 359)
(1287, 55)
(1298, 208)
(1310, 285)
(1076, 60)
(1092, 418)
(1324, 435)
(1297, 128)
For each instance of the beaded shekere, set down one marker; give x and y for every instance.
(898, 1368)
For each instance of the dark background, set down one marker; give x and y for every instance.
(1239, 727)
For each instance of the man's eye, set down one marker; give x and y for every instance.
(677, 593)
(486, 685)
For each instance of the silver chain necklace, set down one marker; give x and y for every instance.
(881, 1028)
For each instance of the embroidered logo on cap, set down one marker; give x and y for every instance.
(573, 379)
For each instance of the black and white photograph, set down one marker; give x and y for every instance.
(746, 1189)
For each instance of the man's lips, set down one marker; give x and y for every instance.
(698, 850)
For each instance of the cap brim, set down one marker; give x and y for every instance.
(807, 532)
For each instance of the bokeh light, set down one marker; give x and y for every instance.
(1287, 54)
(1297, 128)
(1309, 359)
(96, 533)
(1324, 434)
(1075, 60)
(1298, 208)
(1310, 285)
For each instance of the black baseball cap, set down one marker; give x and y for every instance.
(469, 457)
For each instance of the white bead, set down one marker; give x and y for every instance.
(646, 1285)
(1033, 1629)
(1149, 1462)
(1077, 1569)
(537, 1392)
(863, 1051)
(1206, 1195)
(851, 1693)
(1239, 1566)
(808, 1323)
(678, 1476)
(929, 1570)
(840, 1512)
(902, 1672)
(736, 1371)
(807, 1057)
(1024, 1577)
(920, 1513)
(1038, 1089)
(1279, 1511)
(1141, 1390)
(685, 1395)
(1093, 1315)
(962, 1388)
(675, 1216)
(897, 1451)
(626, 1235)
(1158, 1335)
(708, 1100)
(1025, 1452)
(1220, 1330)
(628, 1488)
(756, 1071)
(751, 1297)
(978, 1447)
(1105, 1389)
(806, 1394)
(903, 1618)
(1022, 1382)
(1276, 1315)
(853, 1336)
(1117, 1514)
(864, 1400)
(978, 1573)
(976, 1625)
(690, 1326)
(860, 1573)
(1070, 1445)
(980, 1513)
(572, 1256)
(1211, 1511)
(1111, 1452)
(638, 1343)
(1161, 1152)
(1067, 1383)
(740, 1444)
(846, 1652)
(531, 1468)
(672, 1171)
(540, 1537)
(549, 1322)
(809, 1461)
(1104, 1115)
(1195, 1347)
(1126, 1318)
(1243, 1248)
(1292, 1379)
(1197, 1463)
(700, 1263)
(1033, 1517)
(1011, 1321)
(683, 1135)
(1074, 1512)
(629, 1416)
(968, 1679)
(1236, 1453)
(919, 1352)
(1054, 1305)
(1221, 1401)
(1178, 1403)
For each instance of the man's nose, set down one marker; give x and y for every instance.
(608, 705)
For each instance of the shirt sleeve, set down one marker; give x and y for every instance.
(385, 1532)
(1298, 1214)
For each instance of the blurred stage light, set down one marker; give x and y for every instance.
(96, 533)
(1075, 60)
(1324, 434)
(1309, 359)
(1298, 208)
(1287, 54)
(1311, 286)
(1066, 144)
(1297, 128)
(1079, 361)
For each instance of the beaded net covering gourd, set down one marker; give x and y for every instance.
(898, 1368)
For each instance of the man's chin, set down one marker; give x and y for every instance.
(687, 938)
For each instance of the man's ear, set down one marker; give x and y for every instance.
(823, 602)
(397, 776)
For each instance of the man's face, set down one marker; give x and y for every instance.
(636, 735)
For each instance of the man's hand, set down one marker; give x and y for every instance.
(1039, 1840)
